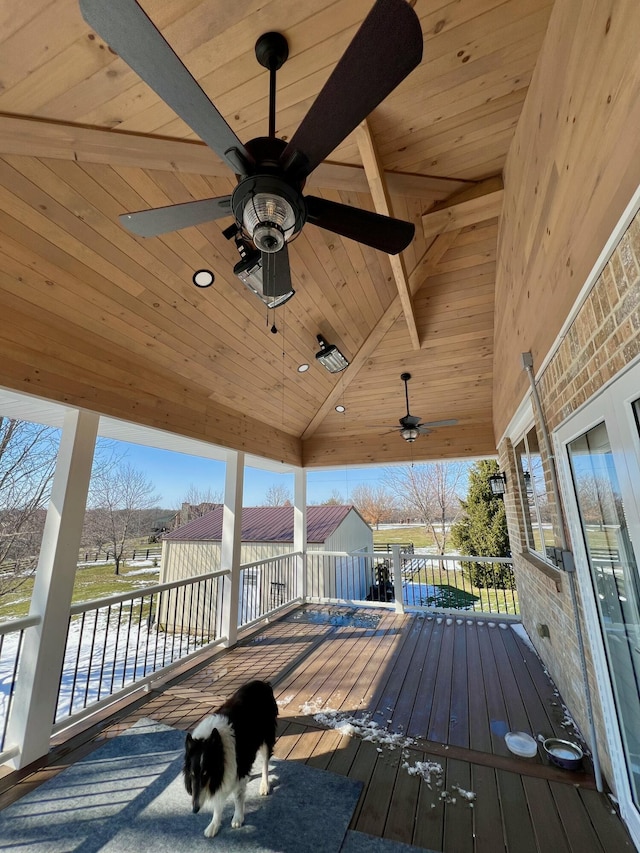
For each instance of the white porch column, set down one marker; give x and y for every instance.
(231, 542)
(300, 528)
(35, 699)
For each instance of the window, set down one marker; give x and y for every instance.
(537, 518)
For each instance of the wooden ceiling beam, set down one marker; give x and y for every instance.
(467, 207)
(382, 204)
(418, 276)
(64, 141)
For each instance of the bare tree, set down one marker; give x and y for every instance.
(431, 493)
(197, 498)
(375, 503)
(27, 463)
(117, 494)
(334, 499)
(277, 495)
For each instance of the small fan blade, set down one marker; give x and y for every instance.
(129, 31)
(433, 424)
(160, 220)
(276, 273)
(380, 232)
(386, 48)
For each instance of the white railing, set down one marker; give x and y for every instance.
(118, 644)
(268, 585)
(11, 637)
(122, 641)
(447, 582)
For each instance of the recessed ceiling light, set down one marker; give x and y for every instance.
(302, 368)
(340, 409)
(203, 278)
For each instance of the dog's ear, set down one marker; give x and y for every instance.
(188, 743)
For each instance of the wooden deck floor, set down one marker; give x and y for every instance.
(447, 689)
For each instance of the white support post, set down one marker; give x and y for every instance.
(231, 542)
(300, 529)
(36, 696)
(396, 577)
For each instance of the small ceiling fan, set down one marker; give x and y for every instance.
(410, 427)
(267, 205)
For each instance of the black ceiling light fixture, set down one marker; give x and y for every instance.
(261, 272)
(330, 356)
(267, 204)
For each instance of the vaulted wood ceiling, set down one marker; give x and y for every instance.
(95, 317)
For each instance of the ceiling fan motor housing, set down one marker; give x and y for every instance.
(269, 208)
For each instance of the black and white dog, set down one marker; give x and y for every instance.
(221, 750)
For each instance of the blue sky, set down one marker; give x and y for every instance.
(173, 473)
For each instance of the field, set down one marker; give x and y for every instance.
(420, 536)
(93, 581)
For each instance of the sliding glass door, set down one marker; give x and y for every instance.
(601, 450)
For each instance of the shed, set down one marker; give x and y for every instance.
(267, 531)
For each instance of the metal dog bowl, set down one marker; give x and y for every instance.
(563, 753)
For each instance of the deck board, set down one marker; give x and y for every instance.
(459, 710)
(454, 685)
(545, 819)
(487, 816)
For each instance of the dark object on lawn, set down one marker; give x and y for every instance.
(563, 753)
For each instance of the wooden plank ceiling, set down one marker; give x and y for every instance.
(96, 317)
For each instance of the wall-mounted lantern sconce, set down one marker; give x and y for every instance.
(330, 356)
(498, 484)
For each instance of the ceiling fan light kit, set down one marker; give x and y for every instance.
(409, 433)
(267, 204)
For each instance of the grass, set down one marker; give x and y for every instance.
(95, 581)
(420, 536)
(486, 600)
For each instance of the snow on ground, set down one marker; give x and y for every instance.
(431, 772)
(147, 568)
(521, 631)
(104, 654)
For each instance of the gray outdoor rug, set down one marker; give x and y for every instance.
(128, 795)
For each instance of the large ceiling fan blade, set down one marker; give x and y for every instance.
(276, 276)
(129, 31)
(160, 220)
(386, 48)
(380, 232)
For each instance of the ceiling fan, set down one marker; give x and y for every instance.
(410, 426)
(267, 205)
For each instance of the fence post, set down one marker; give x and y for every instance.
(396, 576)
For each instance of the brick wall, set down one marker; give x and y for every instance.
(602, 340)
